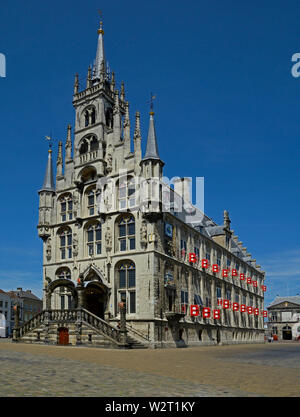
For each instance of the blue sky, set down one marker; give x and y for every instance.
(227, 108)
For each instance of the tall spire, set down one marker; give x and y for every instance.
(48, 184)
(100, 55)
(151, 148)
(126, 127)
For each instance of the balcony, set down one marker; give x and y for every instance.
(89, 156)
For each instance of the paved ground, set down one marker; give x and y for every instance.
(237, 370)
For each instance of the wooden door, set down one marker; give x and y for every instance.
(63, 338)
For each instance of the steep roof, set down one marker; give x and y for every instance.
(48, 184)
(291, 299)
(151, 148)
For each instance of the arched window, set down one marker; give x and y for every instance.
(126, 285)
(66, 207)
(91, 201)
(86, 118)
(127, 233)
(65, 243)
(94, 144)
(84, 147)
(63, 273)
(94, 237)
(93, 116)
(126, 193)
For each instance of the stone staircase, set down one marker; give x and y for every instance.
(84, 328)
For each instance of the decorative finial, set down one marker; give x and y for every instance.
(113, 82)
(137, 129)
(152, 97)
(122, 93)
(89, 78)
(100, 30)
(50, 140)
(227, 220)
(76, 84)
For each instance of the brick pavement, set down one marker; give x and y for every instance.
(236, 370)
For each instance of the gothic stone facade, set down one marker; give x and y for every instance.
(116, 251)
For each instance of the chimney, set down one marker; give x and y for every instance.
(29, 291)
(19, 289)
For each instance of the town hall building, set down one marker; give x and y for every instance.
(117, 241)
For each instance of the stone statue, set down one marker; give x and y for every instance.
(109, 163)
(48, 249)
(75, 245)
(75, 203)
(108, 239)
(144, 234)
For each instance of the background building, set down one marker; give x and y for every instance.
(284, 317)
(29, 305)
(5, 308)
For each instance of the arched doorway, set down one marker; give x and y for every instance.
(63, 336)
(287, 333)
(96, 299)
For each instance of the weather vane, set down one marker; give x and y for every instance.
(152, 97)
(50, 140)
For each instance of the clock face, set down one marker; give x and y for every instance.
(169, 230)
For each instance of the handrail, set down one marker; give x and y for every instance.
(139, 333)
(101, 325)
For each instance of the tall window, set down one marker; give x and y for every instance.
(127, 233)
(126, 285)
(86, 118)
(184, 301)
(91, 201)
(94, 237)
(66, 207)
(65, 243)
(126, 193)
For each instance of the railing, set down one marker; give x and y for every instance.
(31, 324)
(101, 325)
(73, 316)
(89, 156)
(137, 332)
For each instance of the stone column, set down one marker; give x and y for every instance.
(78, 327)
(81, 295)
(123, 331)
(48, 299)
(201, 292)
(16, 329)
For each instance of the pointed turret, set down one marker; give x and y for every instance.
(137, 138)
(126, 127)
(100, 62)
(113, 82)
(89, 78)
(48, 184)
(68, 146)
(46, 195)
(152, 148)
(76, 84)
(59, 161)
(117, 118)
(122, 93)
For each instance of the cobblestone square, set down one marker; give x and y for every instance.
(28, 370)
